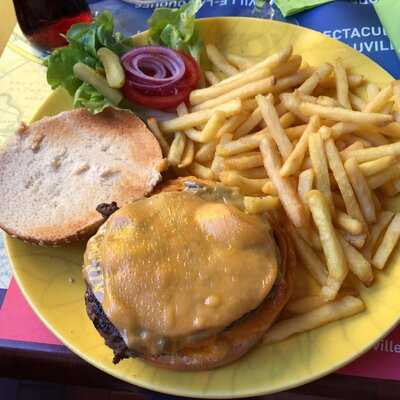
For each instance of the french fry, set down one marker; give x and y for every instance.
(191, 133)
(213, 125)
(305, 184)
(292, 103)
(257, 205)
(242, 145)
(320, 167)
(336, 166)
(211, 78)
(384, 176)
(358, 145)
(325, 132)
(390, 239)
(285, 186)
(176, 150)
(344, 115)
(357, 103)
(342, 84)
(247, 186)
(238, 61)
(391, 130)
(347, 223)
(360, 267)
(276, 131)
(379, 101)
(269, 188)
(153, 125)
(372, 91)
(246, 91)
(201, 171)
(344, 307)
(288, 68)
(374, 138)
(244, 161)
(311, 83)
(362, 190)
(375, 233)
(287, 119)
(353, 80)
(295, 132)
(219, 61)
(296, 157)
(232, 123)
(254, 119)
(206, 152)
(292, 81)
(217, 164)
(188, 154)
(255, 173)
(310, 260)
(334, 255)
(305, 304)
(270, 62)
(199, 96)
(194, 119)
(375, 166)
(343, 128)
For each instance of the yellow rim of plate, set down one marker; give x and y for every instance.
(155, 387)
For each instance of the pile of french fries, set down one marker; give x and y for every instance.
(304, 139)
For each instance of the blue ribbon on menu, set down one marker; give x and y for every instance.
(354, 22)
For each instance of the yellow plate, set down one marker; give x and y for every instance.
(44, 273)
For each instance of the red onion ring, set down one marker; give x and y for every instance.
(165, 65)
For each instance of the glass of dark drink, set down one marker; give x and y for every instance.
(44, 22)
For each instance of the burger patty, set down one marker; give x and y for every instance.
(103, 325)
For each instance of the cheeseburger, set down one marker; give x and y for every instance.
(185, 279)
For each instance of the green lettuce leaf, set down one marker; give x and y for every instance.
(83, 42)
(88, 97)
(99, 33)
(175, 28)
(60, 67)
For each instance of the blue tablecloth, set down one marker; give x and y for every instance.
(354, 22)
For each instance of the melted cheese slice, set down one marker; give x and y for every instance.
(179, 266)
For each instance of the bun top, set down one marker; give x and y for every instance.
(55, 172)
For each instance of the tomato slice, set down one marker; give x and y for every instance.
(157, 102)
(192, 73)
(188, 82)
